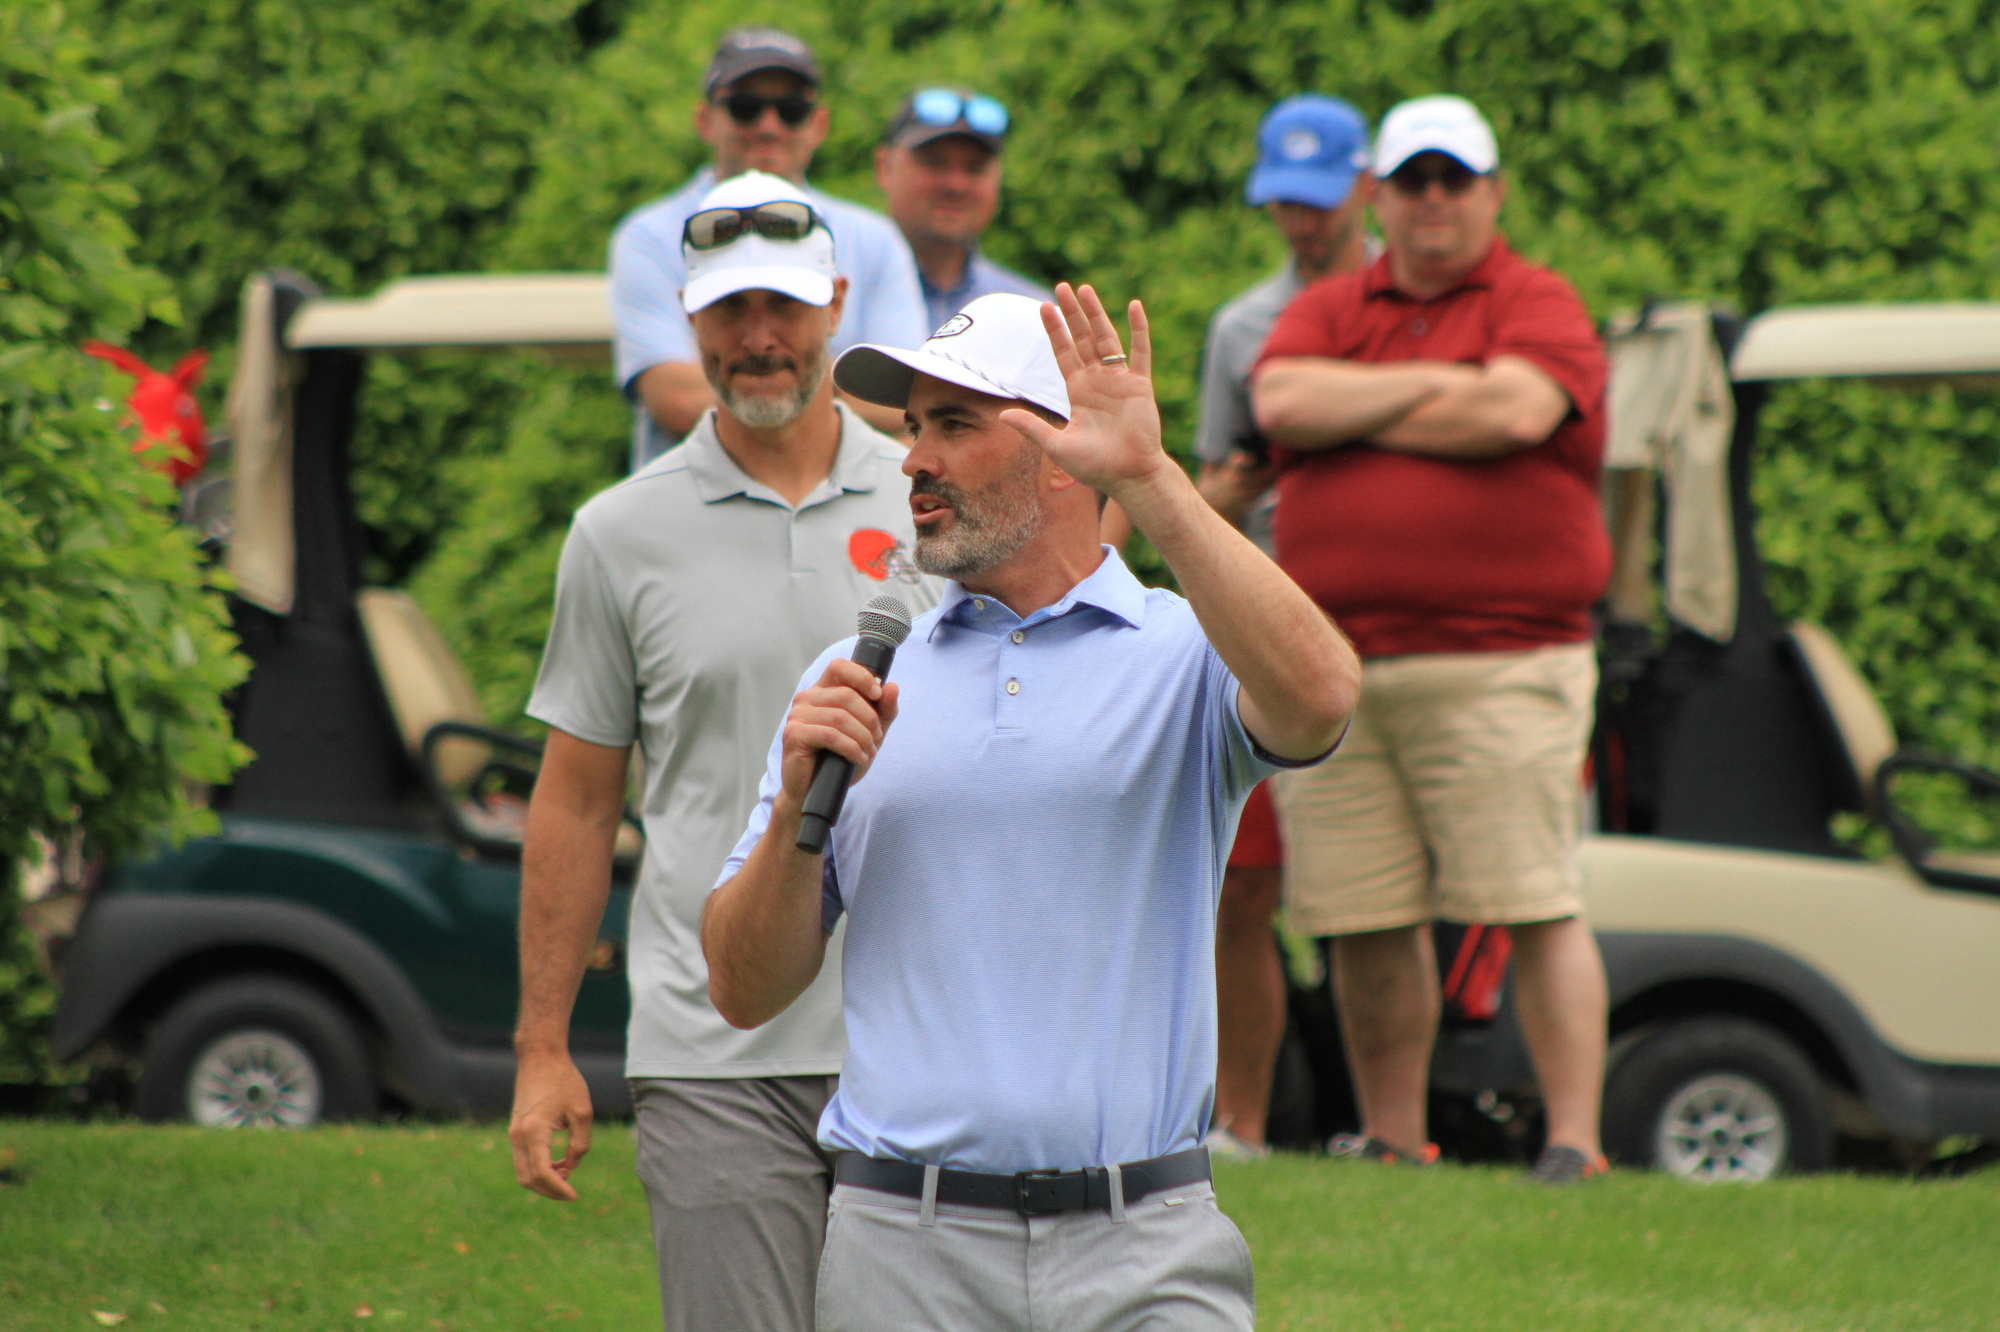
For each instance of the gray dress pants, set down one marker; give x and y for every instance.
(1171, 1263)
(738, 1187)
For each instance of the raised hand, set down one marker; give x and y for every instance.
(1113, 437)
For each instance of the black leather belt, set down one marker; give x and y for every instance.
(1029, 1192)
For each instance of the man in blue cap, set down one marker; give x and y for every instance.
(1312, 178)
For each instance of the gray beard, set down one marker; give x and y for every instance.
(770, 411)
(985, 531)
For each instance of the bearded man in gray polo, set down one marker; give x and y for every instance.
(689, 599)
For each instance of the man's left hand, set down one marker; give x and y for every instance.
(1112, 441)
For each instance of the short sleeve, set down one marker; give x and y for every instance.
(1225, 418)
(1241, 762)
(1306, 326)
(588, 682)
(650, 326)
(831, 906)
(1544, 323)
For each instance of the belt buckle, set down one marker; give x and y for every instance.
(1021, 1200)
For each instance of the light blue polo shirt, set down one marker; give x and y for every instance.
(1030, 874)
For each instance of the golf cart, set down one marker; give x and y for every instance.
(348, 938)
(1770, 988)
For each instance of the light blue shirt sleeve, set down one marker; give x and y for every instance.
(767, 794)
(1241, 761)
(647, 274)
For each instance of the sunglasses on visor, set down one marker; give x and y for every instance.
(938, 107)
(748, 108)
(1415, 178)
(713, 228)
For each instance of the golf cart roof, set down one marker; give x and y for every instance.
(1956, 340)
(568, 314)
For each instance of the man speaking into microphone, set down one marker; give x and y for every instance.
(1029, 870)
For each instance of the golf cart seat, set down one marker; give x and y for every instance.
(480, 775)
(1853, 715)
(423, 678)
(440, 719)
(1867, 741)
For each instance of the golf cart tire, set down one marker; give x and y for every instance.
(1647, 1081)
(305, 1020)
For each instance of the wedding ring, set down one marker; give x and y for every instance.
(1114, 360)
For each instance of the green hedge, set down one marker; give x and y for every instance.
(114, 654)
(1752, 154)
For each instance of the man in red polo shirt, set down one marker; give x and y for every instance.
(1441, 417)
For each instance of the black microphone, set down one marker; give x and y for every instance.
(883, 625)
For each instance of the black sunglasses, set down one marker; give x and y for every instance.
(713, 228)
(1415, 181)
(748, 108)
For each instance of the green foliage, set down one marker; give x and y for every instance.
(1749, 153)
(1881, 520)
(113, 653)
(355, 144)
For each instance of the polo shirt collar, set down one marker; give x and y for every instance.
(967, 276)
(717, 477)
(1110, 588)
(1377, 281)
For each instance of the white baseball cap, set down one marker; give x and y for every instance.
(995, 345)
(1440, 124)
(802, 269)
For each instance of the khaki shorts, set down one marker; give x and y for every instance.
(1457, 794)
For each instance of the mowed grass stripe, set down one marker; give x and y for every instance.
(1349, 1246)
(424, 1228)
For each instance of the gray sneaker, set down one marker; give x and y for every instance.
(1354, 1147)
(1558, 1166)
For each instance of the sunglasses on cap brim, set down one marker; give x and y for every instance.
(939, 107)
(781, 220)
(748, 108)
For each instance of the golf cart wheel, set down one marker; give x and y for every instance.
(1718, 1099)
(256, 1052)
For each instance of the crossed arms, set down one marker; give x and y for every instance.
(1440, 409)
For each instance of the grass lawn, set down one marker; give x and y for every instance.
(423, 1228)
